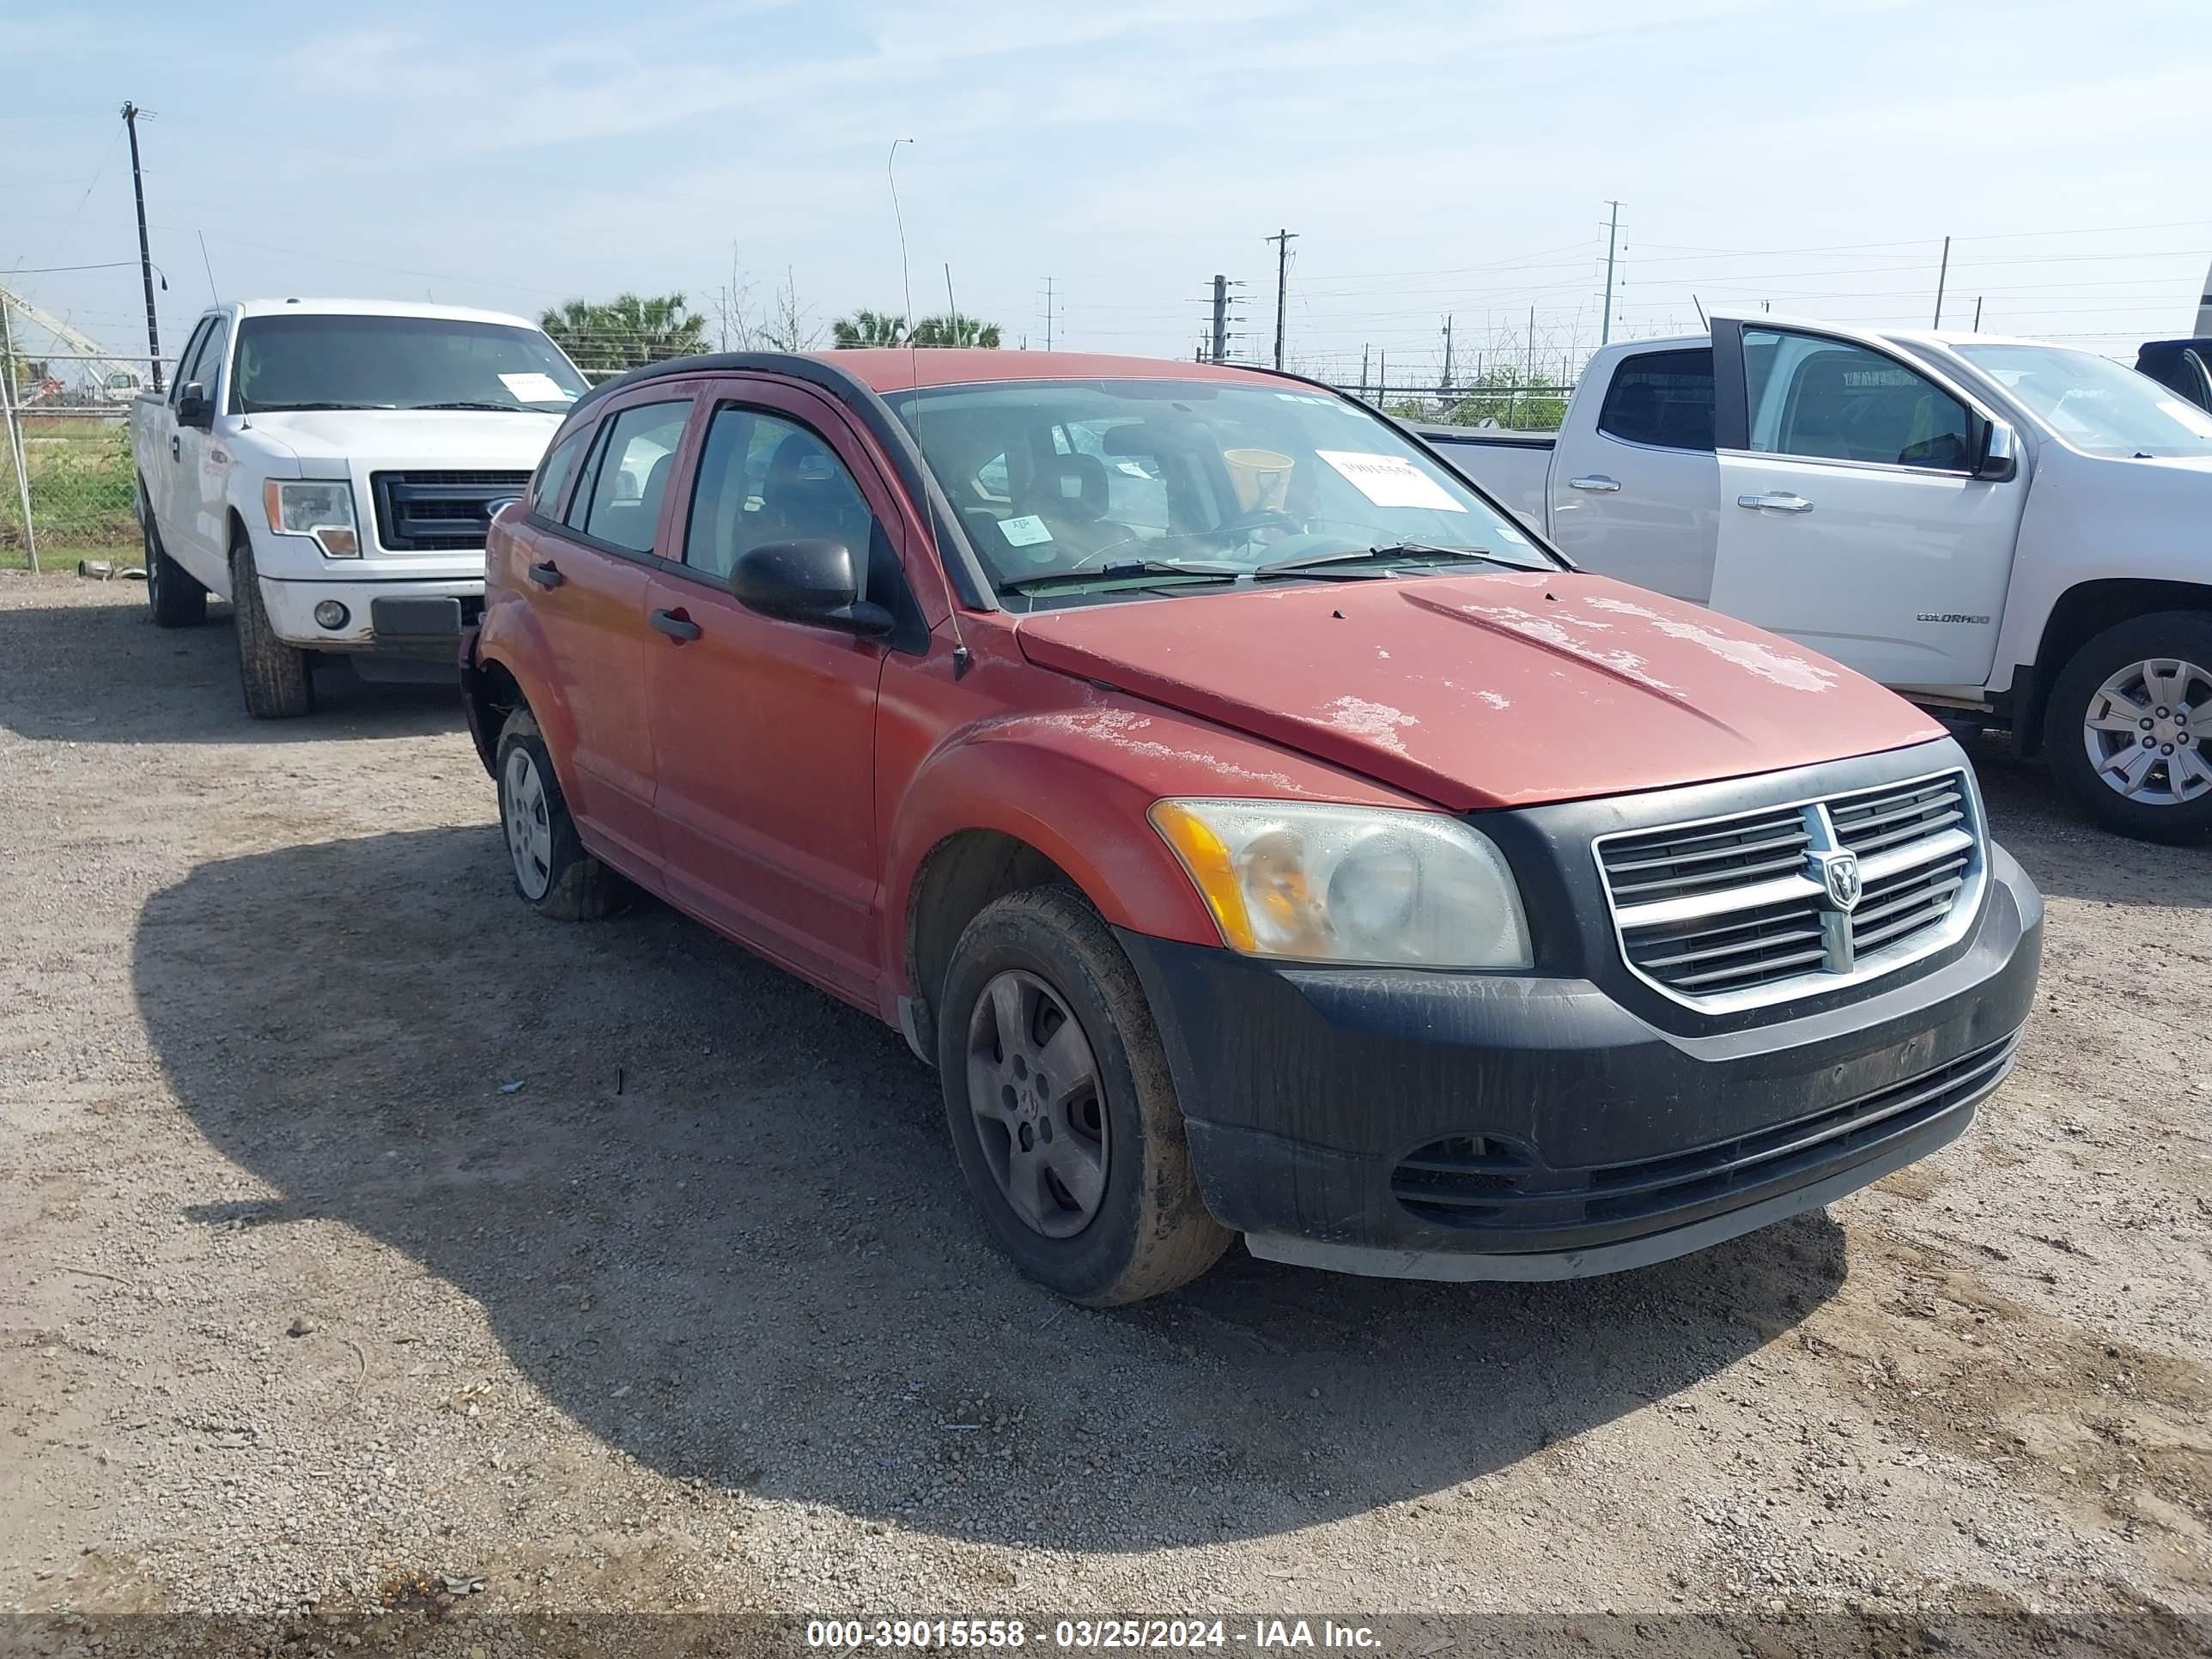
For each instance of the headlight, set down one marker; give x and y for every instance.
(322, 508)
(1349, 884)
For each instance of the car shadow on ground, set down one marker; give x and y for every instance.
(2067, 855)
(718, 1223)
(72, 671)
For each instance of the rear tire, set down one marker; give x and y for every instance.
(1030, 965)
(173, 597)
(2155, 669)
(276, 677)
(552, 872)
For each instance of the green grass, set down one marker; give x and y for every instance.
(81, 492)
(63, 556)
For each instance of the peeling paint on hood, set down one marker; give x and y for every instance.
(1498, 690)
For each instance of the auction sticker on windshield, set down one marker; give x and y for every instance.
(536, 389)
(1024, 531)
(1390, 480)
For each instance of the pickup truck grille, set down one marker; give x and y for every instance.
(1791, 900)
(438, 512)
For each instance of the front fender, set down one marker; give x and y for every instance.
(1076, 785)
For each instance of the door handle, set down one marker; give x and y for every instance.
(547, 575)
(176, 448)
(1779, 501)
(1596, 481)
(678, 626)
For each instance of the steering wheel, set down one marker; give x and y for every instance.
(1262, 518)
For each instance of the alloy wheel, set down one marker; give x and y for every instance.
(1040, 1118)
(2146, 729)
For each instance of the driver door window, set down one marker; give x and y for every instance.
(762, 479)
(1824, 399)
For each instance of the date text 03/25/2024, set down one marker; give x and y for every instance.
(1168, 1635)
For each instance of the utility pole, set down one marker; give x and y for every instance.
(1445, 385)
(130, 113)
(1220, 319)
(1363, 373)
(1047, 313)
(1942, 275)
(1977, 313)
(1282, 240)
(1611, 241)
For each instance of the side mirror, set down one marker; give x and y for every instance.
(807, 581)
(193, 408)
(2000, 452)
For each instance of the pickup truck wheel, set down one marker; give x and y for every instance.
(174, 600)
(1061, 1107)
(554, 875)
(2128, 728)
(277, 679)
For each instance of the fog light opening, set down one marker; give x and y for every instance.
(332, 615)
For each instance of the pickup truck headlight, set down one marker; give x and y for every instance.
(1349, 885)
(321, 507)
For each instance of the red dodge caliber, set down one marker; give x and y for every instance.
(1257, 829)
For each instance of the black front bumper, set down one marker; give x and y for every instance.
(1479, 1126)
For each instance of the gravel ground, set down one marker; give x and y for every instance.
(356, 1224)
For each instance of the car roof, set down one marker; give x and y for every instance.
(291, 307)
(896, 369)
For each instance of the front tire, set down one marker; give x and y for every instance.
(276, 677)
(173, 597)
(553, 873)
(2128, 727)
(1061, 1109)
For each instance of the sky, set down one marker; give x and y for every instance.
(1433, 160)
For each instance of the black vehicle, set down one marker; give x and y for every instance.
(2183, 366)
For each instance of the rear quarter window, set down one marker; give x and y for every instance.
(1661, 398)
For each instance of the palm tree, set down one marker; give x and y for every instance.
(868, 328)
(605, 335)
(955, 330)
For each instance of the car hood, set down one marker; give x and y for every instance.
(1494, 690)
(463, 439)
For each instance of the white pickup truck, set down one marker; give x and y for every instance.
(2015, 534)
(329, 466)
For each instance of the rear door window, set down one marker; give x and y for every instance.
(622, 505)
(1661, 398)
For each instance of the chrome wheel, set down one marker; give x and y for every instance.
(529, 827)
(2146, 729)
(1033, 1086)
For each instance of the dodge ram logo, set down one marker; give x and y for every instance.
(1839, 873)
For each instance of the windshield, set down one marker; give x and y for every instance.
(2094, 403)
(312, 362)
(1125, 485)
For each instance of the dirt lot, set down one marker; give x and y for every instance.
(355, 1223)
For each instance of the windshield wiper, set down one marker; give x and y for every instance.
(463, 403)
(1390, 555)
(287, 408)
(1192, 573)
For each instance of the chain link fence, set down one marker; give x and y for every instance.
(67, 481)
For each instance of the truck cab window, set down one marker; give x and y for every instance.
(187, 358)
(762, 479)
(1661, 398)
(1831, 400)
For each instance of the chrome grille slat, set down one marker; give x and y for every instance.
(1737, 912)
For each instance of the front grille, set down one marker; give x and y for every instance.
(1741, 911)
(439, 512)
(1469, 1181)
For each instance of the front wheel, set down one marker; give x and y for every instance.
(2128, 725)
(277, 679)
(1061, 1109)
